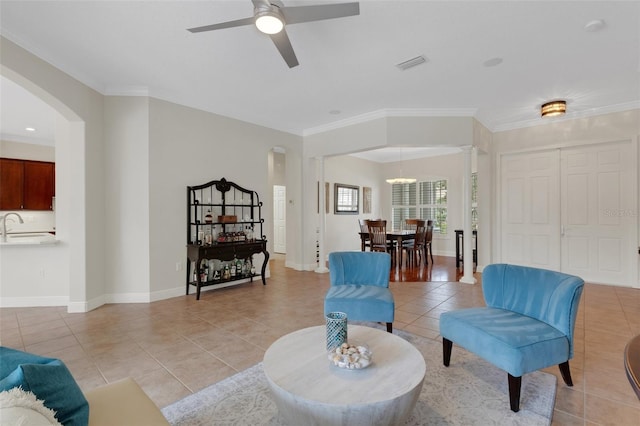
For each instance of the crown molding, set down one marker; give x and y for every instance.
(10, 137)
(391, 112)
(127, 91)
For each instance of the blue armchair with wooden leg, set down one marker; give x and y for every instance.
(360, 287)
(527, 324)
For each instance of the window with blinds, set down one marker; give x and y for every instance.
(424, 200)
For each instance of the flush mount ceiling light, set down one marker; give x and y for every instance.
(553, 108)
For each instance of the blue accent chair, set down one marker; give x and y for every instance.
(360, 287)
(527, 324)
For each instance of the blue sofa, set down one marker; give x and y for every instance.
(360, 286)
(527, 324)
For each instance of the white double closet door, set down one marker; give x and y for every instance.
(572, 210)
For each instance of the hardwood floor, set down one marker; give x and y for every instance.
(442, 269)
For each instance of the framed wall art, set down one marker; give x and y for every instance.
(346, 199)
(366, 199)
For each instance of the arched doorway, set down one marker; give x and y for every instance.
(61, 273)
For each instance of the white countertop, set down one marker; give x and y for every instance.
(29, 239)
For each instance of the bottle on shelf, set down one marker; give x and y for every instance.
(208, 218)
(233, 267)
(226, 273)
(239, 271)
(204, 271)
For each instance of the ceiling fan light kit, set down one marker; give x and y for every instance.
(269, 22)
(271, 17)
(553, 108)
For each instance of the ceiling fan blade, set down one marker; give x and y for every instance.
(298, 14)
(229, 24)
(281, 40)
(257, 3)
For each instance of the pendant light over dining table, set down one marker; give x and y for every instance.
(401, 179)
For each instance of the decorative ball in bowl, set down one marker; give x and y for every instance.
(351, 356)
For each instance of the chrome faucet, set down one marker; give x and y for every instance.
(4, 224)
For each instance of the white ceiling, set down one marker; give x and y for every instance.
(347, 67)
(19, 110)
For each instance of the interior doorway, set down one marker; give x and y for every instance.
(279, 219)
(278, 182)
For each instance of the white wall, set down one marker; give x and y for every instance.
(126, 124)
(26, 151)
(569, 132)
(191, 147)
(342, 229)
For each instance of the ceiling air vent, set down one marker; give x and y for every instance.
(411, 62)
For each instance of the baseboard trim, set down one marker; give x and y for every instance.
(30, 302)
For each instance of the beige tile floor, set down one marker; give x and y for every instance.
(178, 346)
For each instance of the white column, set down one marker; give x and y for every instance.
(467, 250)
(321, 215)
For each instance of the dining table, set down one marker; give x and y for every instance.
(395, 237)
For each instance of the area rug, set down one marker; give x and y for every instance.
(468, 392)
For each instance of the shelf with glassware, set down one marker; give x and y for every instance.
(224, 231)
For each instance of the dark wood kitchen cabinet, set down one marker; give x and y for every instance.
(26, 184)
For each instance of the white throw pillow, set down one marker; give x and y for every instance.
(21, 408)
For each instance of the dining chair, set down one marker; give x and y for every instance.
(365, 229)
(410, 225)
(427, 241)
(378, 235)
(418, 251)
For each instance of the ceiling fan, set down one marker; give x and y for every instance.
(271, 16)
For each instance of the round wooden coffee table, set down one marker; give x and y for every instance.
(632, 363)
(309, 390)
